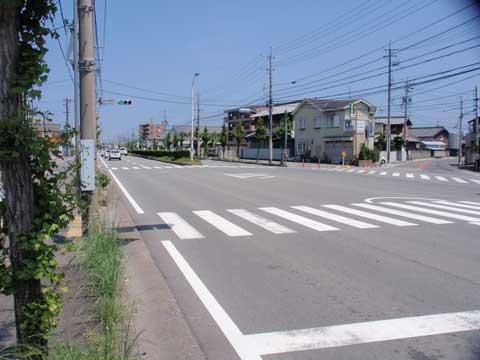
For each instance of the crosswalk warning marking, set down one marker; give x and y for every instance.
(383, 173)
(432, 211)
(312, 224)
(124, 168)
(179, 226)
(425, 177)
(136, 168)
(371, 216)
(396, 174)
(350, 170)
(446, 207)
(338, 218)
(221, 223)
(361, 171)
(409, 215)
(114, 168)
(261, 221)
(158, 167)
(441, 178)
(459, 180)
(371, 172)
(146, 167)
(410, 176)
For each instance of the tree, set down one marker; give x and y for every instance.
(397, 143)
(223, 139)
(260, 134)
(168, 141)
(239, 136)
(280, 131)
(196, 139)
(205, 140)
(181, 139)
(381, 143)
(175, 140)
(35, 203)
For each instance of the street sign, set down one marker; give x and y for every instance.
(360, 125)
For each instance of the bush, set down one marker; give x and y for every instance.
(375, 155)
(162, 153)
(364, 153)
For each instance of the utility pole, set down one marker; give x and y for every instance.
(389, 100)
(193, 115)
(198, 123)
(88, 115)
(284, 160)
(76, 101)
(67, 111)
(460, 118)
(406, 101)
(270, 108)
(476, 122)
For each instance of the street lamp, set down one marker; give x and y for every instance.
(193, 114)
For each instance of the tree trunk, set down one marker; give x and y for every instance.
(258, 150)
(16, 174)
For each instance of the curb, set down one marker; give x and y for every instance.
(158, 321)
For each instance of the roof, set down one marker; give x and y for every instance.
(188, 128)
(48, 126)
(334, 104)
(394, 120)
(278, 109)
(426, 132)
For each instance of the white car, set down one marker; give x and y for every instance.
(123, 151)
(114, 154)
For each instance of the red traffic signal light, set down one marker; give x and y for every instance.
(125, 102)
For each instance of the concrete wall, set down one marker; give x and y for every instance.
(264, 154)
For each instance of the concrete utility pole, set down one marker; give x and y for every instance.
(76, 95)
(193, 115)
(389, 100)
(198, 123)
(67, 111)
(476, 122)
(270, 108)
(460, 118)
(406, 100)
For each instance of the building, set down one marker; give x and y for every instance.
(471, 140)
(326, 129)
(47, 129)
(397, 125)
(151, 134)
(429, 138)
(243, 116)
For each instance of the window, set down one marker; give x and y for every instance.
(301, 123)
(348, 125)
(300, 148)
(316, 122)
(331, 120)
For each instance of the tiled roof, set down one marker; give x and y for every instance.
(422, 132)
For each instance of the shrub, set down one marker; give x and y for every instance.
(177, 154)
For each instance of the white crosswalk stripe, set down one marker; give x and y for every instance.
(396, 174)
(383, 173)
(146, 167)
(409, 215)
(179, 226)
(470, 202)
(261, 221)
(425, 177)
(432, 211)
(136, 168)
(312, 224)
(361, 171)
(444, 202)
(124, 168)
(411, 176)
(341, 219)
(371, 172)
(371, 216)
(441, 178)
(158, 167)
(461, 181)
(445, 207)
(350, 170)
(114, 168)
(476, 181)
(221, 223)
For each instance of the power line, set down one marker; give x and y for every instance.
(63, 53)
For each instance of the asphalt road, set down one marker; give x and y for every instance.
(366, 266)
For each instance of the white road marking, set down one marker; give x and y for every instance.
(312, 224)
(267, 177)
(136, 168)
(335, 217)
(383, 173)
(445, 207)
(433, 212)
(261, 221)
(130, 199)
(351, 170)
(219, 315)
(124, 168)
(368, 215)
(221, 224)
(114, 168)
(409, 175)
(371, 172)
(177, 166)
(475, 181)
(146, 167)
(364, 332)
(179, 226)
(441, 178)
(425, 177)
(461, 181)
(361, 171)
(403, 213)
(158, 167)
(167, 166)
(444, 202)
(396, 174)
(341, 169)
(470, 202)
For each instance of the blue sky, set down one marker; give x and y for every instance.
(158, 45)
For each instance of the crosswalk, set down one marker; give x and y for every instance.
(175, 166)
(321, 218)
(408, 175)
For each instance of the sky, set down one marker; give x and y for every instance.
(332, 49)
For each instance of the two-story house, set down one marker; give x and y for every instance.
(326, 129)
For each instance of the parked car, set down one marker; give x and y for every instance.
(124, 151)
(114, 154)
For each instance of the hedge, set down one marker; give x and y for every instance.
(161, 153)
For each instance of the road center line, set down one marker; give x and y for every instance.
(364, 332)
(219, 315)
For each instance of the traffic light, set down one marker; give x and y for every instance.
(125, 102)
